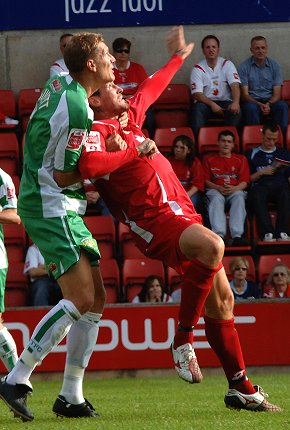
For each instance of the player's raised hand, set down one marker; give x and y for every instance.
(147, 148)
(176, 43)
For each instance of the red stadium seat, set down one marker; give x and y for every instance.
(286, 95)
(208, 137)
(164, 137)
(268, 245)
(27, 99)
(16, 297)
(14, 234)
(173, 280)
(9, 153)
(103, 230)
(16, 182)
(15, 253)
(135, 271)
(111, 277)
(15, 276)
(127, 245)
(252, 137)
(171, 109)
(8, 107)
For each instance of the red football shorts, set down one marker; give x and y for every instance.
(166, 230)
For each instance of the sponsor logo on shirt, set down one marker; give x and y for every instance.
(56, 85)
(93, 142)
(89, 243)
(75, 139)
(10, 193)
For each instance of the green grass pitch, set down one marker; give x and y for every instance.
(161, 403)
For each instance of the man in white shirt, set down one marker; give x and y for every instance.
(59, 66)
(215, 87)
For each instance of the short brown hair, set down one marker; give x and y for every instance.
(80, 48)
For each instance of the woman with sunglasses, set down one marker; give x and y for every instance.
(129, 75)
(241, 287)
(278, 284)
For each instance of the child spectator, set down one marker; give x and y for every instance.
(241, 287)
(187, 168)
(278, 283)
(152, 291)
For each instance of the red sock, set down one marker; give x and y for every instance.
(224, 340)
(196, 285)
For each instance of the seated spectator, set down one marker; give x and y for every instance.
(215, 87)
(187, 168)
(152, 291)
(59, 66)
(226, 179)
(44, 290)
(278, 283)
(129, 75)
(241, 287)
(261, 82)
(270, 184)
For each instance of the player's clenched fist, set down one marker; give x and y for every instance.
(147, 148)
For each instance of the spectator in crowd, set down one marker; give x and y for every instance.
(270, 184)
(278, 283)
(241, 287)
(226, 179)
(8, 215)
(129, 75)
(7, 120)
(261, 82)
(59, 66)
(215, 87)
(187, 168)
(44, 290)
(152, 291)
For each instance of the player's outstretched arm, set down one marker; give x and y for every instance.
(176, 43)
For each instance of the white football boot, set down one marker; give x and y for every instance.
(186, 364)
(256, 402)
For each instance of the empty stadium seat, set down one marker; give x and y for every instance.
(27, 99)
(7, 107)
(111, 278)
(286, 95)
(127, 245)
(14, 234)
(252, 137)
(9, 153)
(16, 297)
(171, 109)
(135, 271)
(164, 137)
(208, 137)
(16, 182)
(103, 230)
(15, 276)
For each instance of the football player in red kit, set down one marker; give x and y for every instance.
(146, 194)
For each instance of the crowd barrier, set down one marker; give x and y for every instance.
(139, 336)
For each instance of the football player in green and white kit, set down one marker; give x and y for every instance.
(56, 132)
(8, 215)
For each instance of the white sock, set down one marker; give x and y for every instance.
(48, 333)
(8, 349)
(81, 340)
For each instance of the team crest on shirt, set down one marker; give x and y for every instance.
(75, 139)
(52, 267)
(10, 193)
(93, 142)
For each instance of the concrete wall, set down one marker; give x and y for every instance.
(25, 57)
